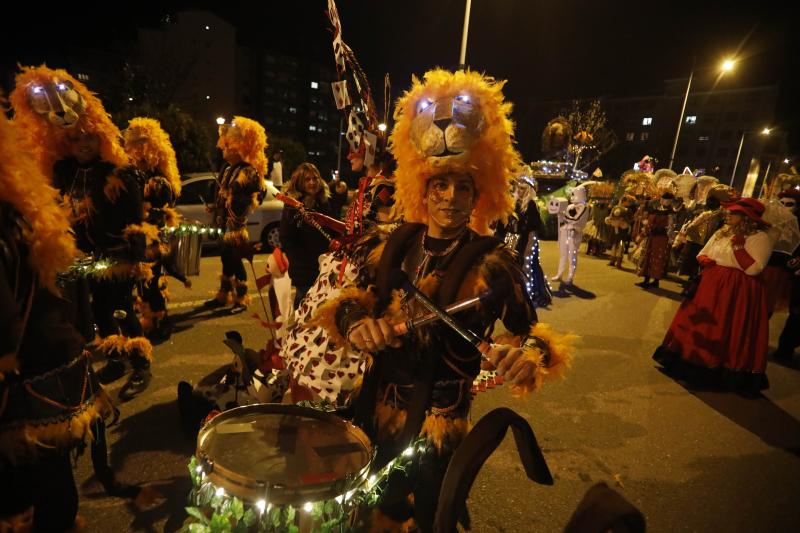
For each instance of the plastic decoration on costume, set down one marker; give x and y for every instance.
(701, 189)
(572, 219)
(684, 185)
(49, 103)
(783, 230)
(665, 178)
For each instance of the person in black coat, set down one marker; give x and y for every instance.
(303, 241)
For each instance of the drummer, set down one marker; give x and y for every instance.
(152, 156)
(240, 184)
(419, 384)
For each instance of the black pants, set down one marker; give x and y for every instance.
(151, 292)
(232, 264)
(77, 293)
(48, 485)
(109, 295)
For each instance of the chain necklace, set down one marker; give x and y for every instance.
(427, 254)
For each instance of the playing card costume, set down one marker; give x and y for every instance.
(446, 123)
(239, 187)
(152, 156)
(321, 367)
(51, 399)
(78, 145)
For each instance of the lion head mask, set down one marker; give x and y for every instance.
(455, 122)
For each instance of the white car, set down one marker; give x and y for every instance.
(200, 188)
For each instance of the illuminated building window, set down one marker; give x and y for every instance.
(630, 136)
(646, 121)
(644, 136)
(314, 85)
(703, 138)
(312, 128)
(292, 110)
(691, 119)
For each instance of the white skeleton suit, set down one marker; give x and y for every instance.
(572, 218)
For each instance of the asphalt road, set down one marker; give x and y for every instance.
(690, 460)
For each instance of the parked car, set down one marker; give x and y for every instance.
(263, 225)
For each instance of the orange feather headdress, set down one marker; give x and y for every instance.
(48, 103)
(478, 140)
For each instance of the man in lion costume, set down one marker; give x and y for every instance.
(453, 144)
(153, 158)
(77, 146)
(239, 186)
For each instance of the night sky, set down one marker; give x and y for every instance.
(547, 49)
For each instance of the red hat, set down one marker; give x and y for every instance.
(793, 192)
(750, 207)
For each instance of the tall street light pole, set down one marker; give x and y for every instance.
(462, 58)
(765, 131)
(727, 66)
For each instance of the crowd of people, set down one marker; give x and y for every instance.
(738, 256)
(445, 213)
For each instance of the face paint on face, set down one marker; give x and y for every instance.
(450, 199)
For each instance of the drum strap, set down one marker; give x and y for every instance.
(473, 452)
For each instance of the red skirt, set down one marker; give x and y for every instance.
(655, 257)
(724, 326)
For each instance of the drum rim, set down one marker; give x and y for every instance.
(276, 492)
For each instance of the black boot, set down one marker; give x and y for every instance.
(112, 371)
(139, 379)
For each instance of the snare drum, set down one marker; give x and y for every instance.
(283, 454)
(185, 248)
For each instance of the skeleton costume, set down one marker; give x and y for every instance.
(572, 219)
(105, 207)
(239, 187)
(422, 389)
(153, 158)
(51, 401)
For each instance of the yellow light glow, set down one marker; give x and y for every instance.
(220, 120)
(728, 65)
(766, 131)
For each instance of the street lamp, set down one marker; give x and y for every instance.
(463, 55)
(726, 66)
(765, 131)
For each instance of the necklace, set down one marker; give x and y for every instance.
(427, 254)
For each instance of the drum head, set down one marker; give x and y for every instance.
(283, 454)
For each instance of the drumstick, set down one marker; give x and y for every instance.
(481, 345)
(412, 324)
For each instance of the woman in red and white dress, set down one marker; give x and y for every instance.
(720, 335)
